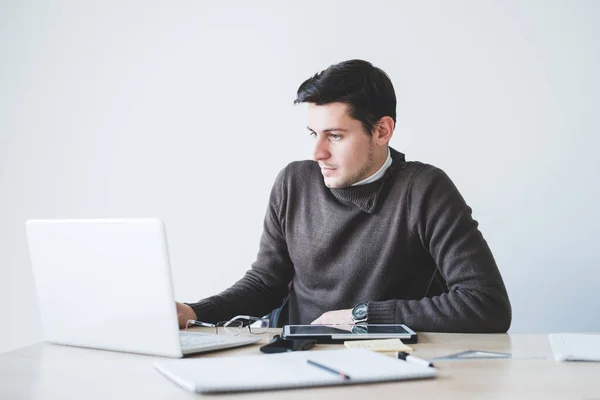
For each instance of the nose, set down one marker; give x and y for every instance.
(321, 151)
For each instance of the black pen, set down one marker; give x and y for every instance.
(412, 359)
(326, 368)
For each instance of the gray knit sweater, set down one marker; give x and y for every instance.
(406, 243)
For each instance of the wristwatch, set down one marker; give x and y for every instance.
(360, 313)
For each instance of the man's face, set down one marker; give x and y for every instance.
(343, 149)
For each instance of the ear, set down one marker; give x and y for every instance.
(383, 131)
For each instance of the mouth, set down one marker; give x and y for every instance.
(327, 171)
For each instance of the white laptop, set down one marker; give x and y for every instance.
(106, 284)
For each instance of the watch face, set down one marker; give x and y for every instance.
(359, 312)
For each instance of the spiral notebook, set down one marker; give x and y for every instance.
(289, 370)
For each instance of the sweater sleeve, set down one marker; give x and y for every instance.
(265, 285)
(476, 300)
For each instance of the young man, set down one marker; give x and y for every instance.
(362, 234)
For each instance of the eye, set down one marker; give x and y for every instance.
(313, 134)
(333, 136)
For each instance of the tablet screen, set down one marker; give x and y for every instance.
(347, 329)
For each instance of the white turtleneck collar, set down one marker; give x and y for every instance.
(379, 173)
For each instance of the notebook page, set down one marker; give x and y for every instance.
(271, 371)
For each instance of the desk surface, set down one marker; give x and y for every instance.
(45, 371)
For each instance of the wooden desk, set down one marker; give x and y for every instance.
(45, 371)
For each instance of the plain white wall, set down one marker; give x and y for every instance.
(183, 110)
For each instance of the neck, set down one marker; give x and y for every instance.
(383, 162)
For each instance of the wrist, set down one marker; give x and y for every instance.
(189, 312)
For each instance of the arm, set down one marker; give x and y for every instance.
(265, 285)
(477, 300)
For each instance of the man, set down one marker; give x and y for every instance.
(362, 234)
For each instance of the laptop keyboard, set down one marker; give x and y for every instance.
(192, 342)
(200, 341)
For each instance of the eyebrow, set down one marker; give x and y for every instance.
(328, 130)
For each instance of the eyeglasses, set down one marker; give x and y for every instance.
(234, 326)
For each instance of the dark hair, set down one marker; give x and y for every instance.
(366, 89)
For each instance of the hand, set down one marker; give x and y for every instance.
(184, 313)
(337, 317)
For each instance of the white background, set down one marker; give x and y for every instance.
(183, 110)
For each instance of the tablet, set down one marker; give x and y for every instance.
(341, 333)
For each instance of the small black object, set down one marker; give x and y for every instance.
(279, 345)
(412, 359)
